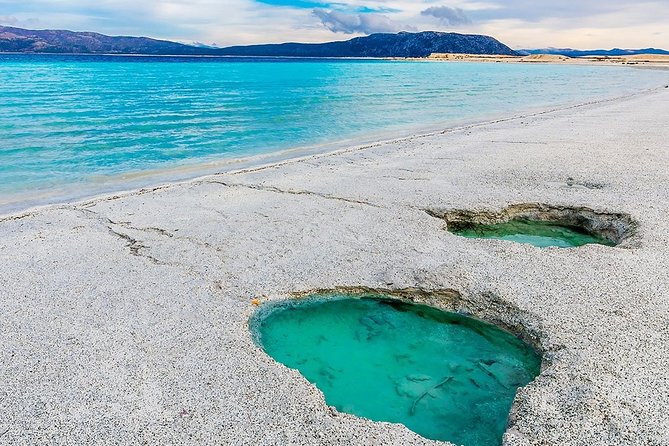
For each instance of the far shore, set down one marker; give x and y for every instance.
(637, 59)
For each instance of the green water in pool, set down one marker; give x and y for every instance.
(537, 233)
(443, 375)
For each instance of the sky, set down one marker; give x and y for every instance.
(583, 24)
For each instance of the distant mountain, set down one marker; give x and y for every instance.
(579, 53)
(403, 44)
(55, 41)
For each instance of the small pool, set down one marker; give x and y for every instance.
(538, 233)
(443, 375)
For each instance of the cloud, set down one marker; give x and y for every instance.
(8, 20)
(341, 22)
(295, 3)
(450, 16)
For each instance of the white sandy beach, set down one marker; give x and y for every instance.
(124, 319)
(642, 60)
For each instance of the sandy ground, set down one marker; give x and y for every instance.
(124, 319)
(660, 60)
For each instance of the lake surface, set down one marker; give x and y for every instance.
(74, 126)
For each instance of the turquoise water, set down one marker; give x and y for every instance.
(74, 125)
(443, 375)
(536, 233)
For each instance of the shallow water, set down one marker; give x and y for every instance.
(444, 376)
(540, 234)
(75, 125)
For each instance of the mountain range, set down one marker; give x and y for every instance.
(402, 44)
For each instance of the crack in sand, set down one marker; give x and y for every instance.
(295, 192)
(150, 229)
(135, 246)
(168, 234)
(138, 248)
(534, 143)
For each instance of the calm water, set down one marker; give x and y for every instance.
(444, 376)
(75, 125)
(537, 233)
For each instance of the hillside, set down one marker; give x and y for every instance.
(56, 41)
(403, 44)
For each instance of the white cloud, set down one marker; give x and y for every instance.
(340, 22)
(8, 20)
(448, 15)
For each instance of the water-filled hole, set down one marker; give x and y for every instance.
(443, 375)
(541, 225)
(537, 233)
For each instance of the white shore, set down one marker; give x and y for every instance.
(124, 319)
(660, 61)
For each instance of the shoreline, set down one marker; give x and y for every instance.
(160, 178)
